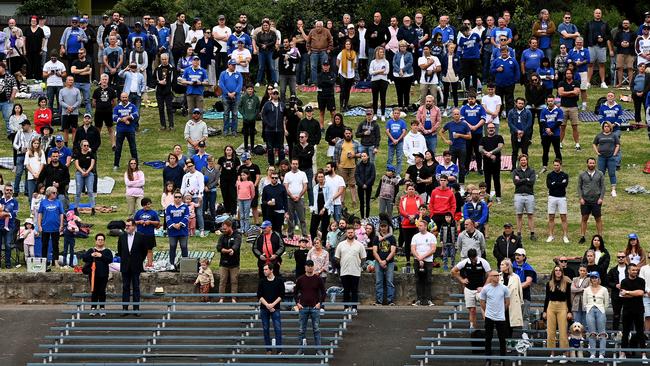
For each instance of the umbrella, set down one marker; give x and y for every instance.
(92, 277)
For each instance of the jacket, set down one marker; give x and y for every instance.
(68, 42)
(277, 192)
(312, 127)
(578, 285)
(510, 74)
(135, 187)
(320, 40)
(478, 214)
(408, 34)
(466, 242)
(211, 47)
(304, 155)
(413, 143)
(101, 263)
(557, 183)
(332, 132)
(525, 184)
(522, 121)
(277, 245)
(172, 32)
(273, 117)
(602, 264)
(444, 64)
(364, 174)
(434, 114)
(338, 148)
(387, 188)
(442, 201)
(59, 174)
(371, 140)
(248, 107)
(516, 318)
(327, 194)
(612, 281)
(591, 188)
(131, 261)
(92, 135)
(376, 35)
(409, 206)
(231, 82)
(326, 82)
(408, 63)
(505, 247)
(177, 215)
(132, 77)
(229, 242)
(120, 111)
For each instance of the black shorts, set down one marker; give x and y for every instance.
(103, 118)
(149, 241)
(256, 200)
(327, 103)
(591, 208)
(69, 121)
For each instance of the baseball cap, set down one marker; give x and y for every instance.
(309, 262)
(521, 251)
(309, 108)
(594, 274)
(245, 156)
(221, 17)
(507, 224)
(83, 20)
(58, 138)
(303, 240)
(75, 19)
(633, 236)
(647, 14)
(418, 154)
(195, 58)
(326, 62)
(137, 24)
(232, 62)
(266, 224)
(390, 168)
(196, 110)
(201, 143)
(25, 122)
(350, 26)
(645, 26)
(88, 115)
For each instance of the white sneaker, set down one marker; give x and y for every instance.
(614, 193)
(383, 118)
(563, 359)
(445, 113)
(621, 356)
(551, 359)
(583, 107)
(578, 148)
(603, 85)
(257, 85)
(550, 239)
(644, 358)
(374, 118)
(565, 239)
(275, 85)
(601, 358)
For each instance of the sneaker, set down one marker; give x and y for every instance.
(614, 193)
(533, 237)
(383, 118)
(566, 240)
(203, 234)
(115, 168)
(543, 170)
(417, 303)
(561, 147)
(563, 359)
(300, 352)
(578, 148)
(374, 118)
(602, 358)
(257, 85)
(391, 304)
(582, 240)
(429, 303)
(583, 107)
(550, 239)
(592, 358)
(498, 199)
(92, 314)
(603, 85)
(322, 311)
(445, 113)
(320, 353)
(644, 358)
(622, 356)
(103, 315)
(377, 304)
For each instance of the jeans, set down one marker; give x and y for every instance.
(396, 150)
(297, 208)
(350, 289)
(596, 328)
(609, 164)
(265, 59)
(319, 222)
(386, 206)
(423, 281)
(525, 313)
(301, 70)
(315, 59)
(579, 316)
(68, 249)
(130, 281)
(458, 156)
(52, 95)
(230, 110)
(285, 80)
(6, 108)
(81, 182)
(6, 239)
(119, 141)
(30, 188)
(337, 212)
(432, 142)
(199, 215)
(384, 276)
(379, 88)
(274, 140)
(618, 156)
(304, 315)
(364, 200)
(136, 99)
(449, 254)
(173, 243)
(20, 170)
(165, 105)
(209, 202)
(267, 317)
(502, 330)
(244, 211)
(84, 88)
(309, 172)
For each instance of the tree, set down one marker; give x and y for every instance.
(152, 7)
(47, 7)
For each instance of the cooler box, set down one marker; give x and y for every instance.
(189, 265)
(35, 265)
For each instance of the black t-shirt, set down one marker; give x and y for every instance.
(633, 304)
(300, 255)
(253, 171)
(85, 159)
(81, 65)
(228, 170)
(104, 99)
(383, 247)
(423, 173)
(569, 101)
(292, 122)
(33, 40)
(302, 46)
(491, 143)
(474, 272)
(271, 290)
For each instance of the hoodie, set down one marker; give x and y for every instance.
(510, 74)
(413, 143)
(371, 140)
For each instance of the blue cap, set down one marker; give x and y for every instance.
(232, 62)
(245, 156)
(196, 110)
(83, 20)
(390, 168)
(58, 138)
(75, 19)
(266, 224)
(633, 236)
(594, 274)
(195, 58)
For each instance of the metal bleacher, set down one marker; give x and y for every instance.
(177, 329)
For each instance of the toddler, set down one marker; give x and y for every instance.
(205, 279)
(192, 207)
(27, 234)
(448, 235)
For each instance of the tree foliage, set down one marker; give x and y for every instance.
(47, 7)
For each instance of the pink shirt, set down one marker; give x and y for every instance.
(245, 190)
(135, 187)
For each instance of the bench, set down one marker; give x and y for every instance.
(174, 364)
(144, 356)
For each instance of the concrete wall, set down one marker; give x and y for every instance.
(53, 288)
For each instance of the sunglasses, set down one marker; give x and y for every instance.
(303, 136)
(274, 177)
(563, 261)
(620, 256)
(178, 197)
(276, 93)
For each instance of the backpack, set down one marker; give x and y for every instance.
(259, 150)
(599, 102)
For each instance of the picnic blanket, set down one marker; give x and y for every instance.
(217, 115)
(506, 163)
(586, 116)
(105, 185)
(163, 255)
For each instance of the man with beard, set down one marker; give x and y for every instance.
(346, 153)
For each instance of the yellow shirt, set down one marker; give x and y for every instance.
(348, 147)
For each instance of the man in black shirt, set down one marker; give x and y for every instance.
(313, 128)
(229, 245)
(81, 70)
(556, 182)
(165, 76)
(104, 100)
(270, 292)
(383, 250)
(490, 148)
(632, 291)
(300, 256)
(471, 273)
(89, 133)
(569, 92)
(326, 83)
(420, 175)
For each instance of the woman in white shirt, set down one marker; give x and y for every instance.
(34, 163)
(595, 299)
(195, 33)
(347, 63)
(379, 69)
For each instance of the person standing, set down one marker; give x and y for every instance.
(177, 35)
(309, 295)
(569, 92)
(195, 78)
(442, 200)
(57, 175)
(471, 272)
(321, 207)
(598, 37)
(551, 118)
(506, 245)
(506, 74)
(125, 116)
(104, 100)
(50, 222)
(423, 246)
(591, 191)
(85, 164)
(193, 184)
(268, 249)
(364, 175)
(273, 115)
(384, 248)
(459, 133)
(82, 71)
(177, 217)
(165, 75)
(369, 134)
(428, 115)
(8, 214)
(490, 148)
(614, 278)
(326, 83)
(231, 84)
(557, 182)
(70, 99)
(632, 290)
(350, 253)
(520, 124)
(295, 182)
(229, 245)
(147, 222)
(495, 300)
(34, 39)
(402, 66)
(474, 114)
(524, 178)
(99, 257)
(274, 197)
(607, 146)
(72, 40)
(557, 305)
(396, 131)
(270, 293)
(132, 250)
(379, 69)
(595, 299)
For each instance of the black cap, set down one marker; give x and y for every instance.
(309, 108)
(25, 122)
(326, 62)
(309, 263)
(201, 143)
(418, 154)
(472, 253)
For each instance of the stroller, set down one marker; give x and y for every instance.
(179, 101)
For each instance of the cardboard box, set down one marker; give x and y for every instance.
(189, 265)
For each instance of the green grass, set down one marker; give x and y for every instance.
(621, 215)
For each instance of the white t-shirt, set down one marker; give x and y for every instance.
(220, 32)
(294, 182)
(53, 79)
(350, 70)
(350, 257)
(47, 32)
(430, 76)
(491, 103)
(238, 56)
(35, 163)
(334, 184)
(376, 65)
(423, 243)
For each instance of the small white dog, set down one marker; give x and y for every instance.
(576, 338)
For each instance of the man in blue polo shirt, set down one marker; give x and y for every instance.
(396, 131)
(506, 74)
(230, 82)
(65, 154)
(474, 114)
(459, 133)
(580, 56)
(550, 120)
(195, 78)
(469, 46)
(531, 58)
(72, 40)
(125, 116)
(612, 112)
(200, 159)
(147, 221)
(501, 30)
(9, 211)
(447, 31)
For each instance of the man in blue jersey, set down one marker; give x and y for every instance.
(474, 114)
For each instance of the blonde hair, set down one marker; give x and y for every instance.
(563, 283)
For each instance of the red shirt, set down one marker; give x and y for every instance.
(442, 201)
(409, 206)
(42, 118)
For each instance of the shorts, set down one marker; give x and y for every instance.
(591, 208)
(524, 203)
(348, 176)
(149, 241)
(625, 61)
(646, 306)
(255, 203)
(557, 205)
(471, 298)
(327, 103)
(570, 113)
(103, 118)
(69, 121)
(584, 80)
(597, 54)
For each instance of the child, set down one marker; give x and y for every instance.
(205, 279)
(37, 197)
(487, 198)
(249, 107)
(360, 232)
(245, 194)
(331, 242)
(387, 190)
(69, 233)
(293, 54)
(448, 233)
(167, 197)
(27, 234)
(192, 207)
(300, 255)
(5, 226)
(423, 214)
